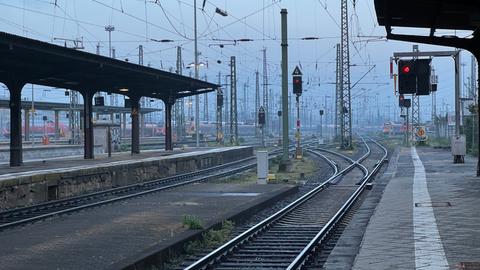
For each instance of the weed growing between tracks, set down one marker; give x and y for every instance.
(192, 223)
(212, 238)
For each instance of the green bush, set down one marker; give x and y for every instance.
(192, 223)
(211, 239)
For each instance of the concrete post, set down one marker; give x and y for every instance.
(88, 143)
(262, 167)
(16, 155)
(135, 125)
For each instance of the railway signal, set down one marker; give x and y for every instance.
(261, 116)
(297, 81)
(297, 90)
(261, 123)
(404, 102)
(407, 81)
(423, 76)
(414, 76)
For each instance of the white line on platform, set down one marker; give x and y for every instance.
(429, 253)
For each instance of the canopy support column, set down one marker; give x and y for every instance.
(16, 154)
(88, 144)
(135, 125)
(168, 123)
(27, 124)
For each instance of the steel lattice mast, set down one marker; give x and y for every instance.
(233, 102)
(205, 104)
(415, 105)
(346, 112)
(219, 110)
(179, 108)
(338, 93)
(265, 90)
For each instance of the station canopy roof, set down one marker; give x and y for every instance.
(433, 14)
(42, 63)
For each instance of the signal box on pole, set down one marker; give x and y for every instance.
(407, 80)
(401, 100)
(261, 116)
(423, 73)
(414, 76)
(297, 81)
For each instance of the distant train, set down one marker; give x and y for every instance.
(391, 128)
(40, 130)
(151, 129)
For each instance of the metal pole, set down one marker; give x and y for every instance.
(339, 97)
(233, 102)
(110, 44)
(285, 110)
(197, 99)
(408, 129)
(457, 93)
(257, 100)
(298, 152)
(321, 125)
(32, 132)
(262, 127)
(219, 110)
(346, 118)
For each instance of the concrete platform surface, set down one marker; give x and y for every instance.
(40, 165)
(428, 216)
(101, 237)
(59, 179)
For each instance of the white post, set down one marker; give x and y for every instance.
(262, 166)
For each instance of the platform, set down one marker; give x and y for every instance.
(428, 216)
(115, 235)
(39, 181)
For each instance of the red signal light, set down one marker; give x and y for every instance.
(296, 81)
(406, 69)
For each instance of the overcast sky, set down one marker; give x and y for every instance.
(138, 22)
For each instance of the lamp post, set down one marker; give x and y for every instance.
(197, 99)
(110, 29)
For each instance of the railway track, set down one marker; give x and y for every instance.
(24, 215)
(289, 237)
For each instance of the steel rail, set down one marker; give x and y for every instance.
(356, 162)
(301, 259)
(39, 208)
(216, 255)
